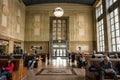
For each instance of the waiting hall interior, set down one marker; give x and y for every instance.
(59, 39)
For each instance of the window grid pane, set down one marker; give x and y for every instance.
(114, 30)
(99, 11)
(100, 36)
(110, 2)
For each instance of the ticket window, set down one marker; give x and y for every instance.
(3, 47)
(17, 48)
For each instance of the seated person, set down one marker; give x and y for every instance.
(2, 52)
(106, 69)
(32, 62)
(117, 66)
(93, 54)
(116, 56)
(82, 60)
(7, 69)
(73, 57)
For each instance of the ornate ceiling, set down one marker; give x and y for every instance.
(32, 2)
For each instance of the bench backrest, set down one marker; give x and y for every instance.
(17, 63)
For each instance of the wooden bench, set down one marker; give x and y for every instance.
(19, 70)
(37, 64)
(95, 62)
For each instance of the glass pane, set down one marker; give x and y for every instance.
(100, 38)
(116, 11)
(100, 43)
(113, 41)
(54, 21)
(103, 48)
(102, 32)
(111, 14)
(118, 40)
(59, 33)
(110, 2)
(112, 28)
(64, 38)
(54, 38)
(54, 33)
(101, 9)
(117, 26)
(64, 51)
(98, 23)
(56, 45)
(103, 44)
(111, 21)
(63, 25)
(103, 38)
(116, 18)
(107, 3)
(57, 52)
(117, 32)
(54, 25)
(59, 21)
(114, 48)
(59, 25)
(54, 52)
(100, 48)
(60, 52)
(113, 34)
(102, 27)
(64, 29)
(96, 13)
(59, 29)
(99, 28)
(64, 21)
(102, 21)
(62, 46)
(54, 29)
(118, 47)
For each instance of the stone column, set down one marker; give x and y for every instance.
(11, 47)
(105, 26)
(22, 45)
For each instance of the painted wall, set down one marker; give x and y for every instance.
(80, 24)
(42, 46)
(12, 21)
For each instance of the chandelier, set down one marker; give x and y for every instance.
(58, 12)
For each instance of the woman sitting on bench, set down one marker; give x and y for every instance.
(7, 69)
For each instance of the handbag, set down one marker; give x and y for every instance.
(92, 68)
(110, 70)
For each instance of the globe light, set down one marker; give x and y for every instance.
(58, 12)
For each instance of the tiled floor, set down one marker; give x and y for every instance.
(57, 64)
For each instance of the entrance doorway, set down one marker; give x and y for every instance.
(59, 40)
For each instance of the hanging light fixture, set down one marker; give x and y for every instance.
(58, 12)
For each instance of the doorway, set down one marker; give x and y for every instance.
(59, 39)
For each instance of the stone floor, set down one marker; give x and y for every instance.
(57, 69)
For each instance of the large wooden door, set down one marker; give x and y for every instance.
(59, 39)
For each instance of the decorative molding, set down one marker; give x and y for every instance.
(36, 31)
(2, 37)
(4, 20)
(18, 28)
